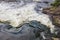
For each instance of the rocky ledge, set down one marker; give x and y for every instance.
(54, 13)
(52, 10)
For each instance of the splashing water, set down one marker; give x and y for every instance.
(19, 13)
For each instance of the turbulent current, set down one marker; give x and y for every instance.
(24, 20)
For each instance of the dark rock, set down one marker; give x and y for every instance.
(28, 31)
(46, 36)
(55, 17)
(41, 30)
(24, 33)
(38, 25)
(33, 30)
(57, 32)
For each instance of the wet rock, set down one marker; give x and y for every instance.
(28, 31)
(43, 5)
(46, 36)
(57, 32)
(41, 30)
(38, 25)
(54, 13)
(24, 33)
(56, 20)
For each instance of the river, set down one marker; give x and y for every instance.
(28, 30)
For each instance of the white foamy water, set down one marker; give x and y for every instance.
(17, 15)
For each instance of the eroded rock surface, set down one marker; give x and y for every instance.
(54, 13)
(28, 31)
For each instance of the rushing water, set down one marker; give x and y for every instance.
(25, 32)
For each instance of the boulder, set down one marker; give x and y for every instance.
(28, 31)
(54, 14)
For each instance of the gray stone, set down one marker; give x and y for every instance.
(28, 31)
(25, 33)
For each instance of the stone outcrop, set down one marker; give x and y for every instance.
(54, 13)
(33, 30)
